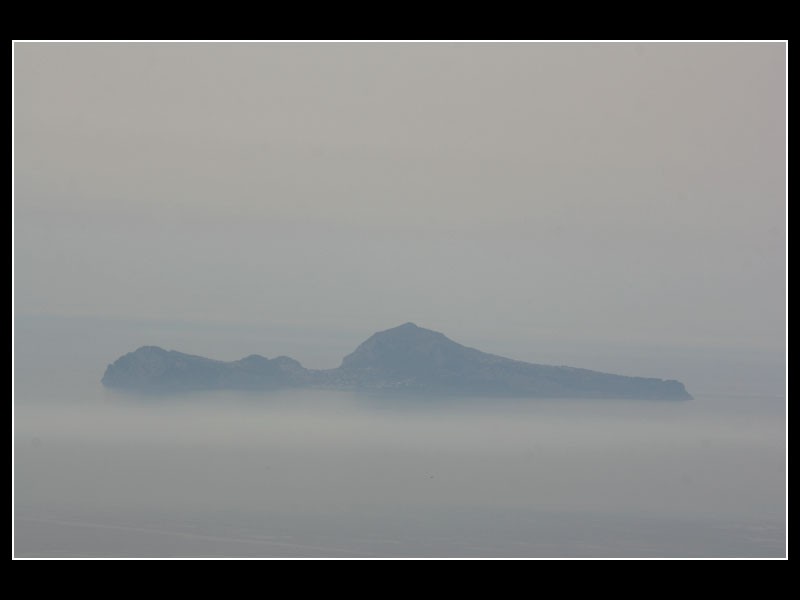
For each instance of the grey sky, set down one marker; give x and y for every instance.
(594, 192)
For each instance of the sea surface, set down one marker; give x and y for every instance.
(100, 473)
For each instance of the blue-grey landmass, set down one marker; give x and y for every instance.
(407, 358)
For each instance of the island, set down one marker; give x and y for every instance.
(406, 358)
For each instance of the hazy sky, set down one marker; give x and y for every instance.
(627, 193)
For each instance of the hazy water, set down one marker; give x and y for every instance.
(312, 473)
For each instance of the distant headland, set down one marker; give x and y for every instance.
(406, 358)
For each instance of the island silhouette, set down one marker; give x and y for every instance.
(406, 358)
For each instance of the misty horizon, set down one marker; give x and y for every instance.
(614, 207)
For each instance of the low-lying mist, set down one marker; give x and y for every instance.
(223, 460)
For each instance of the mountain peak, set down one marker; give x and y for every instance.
(405, 327)
(408, 329)
(150, 350)
(402, 347)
